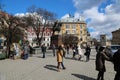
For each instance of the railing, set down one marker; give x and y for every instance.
(37, 50)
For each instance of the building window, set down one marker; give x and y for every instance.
(48, 34)
(47, 44)
(47, 39)
(81, 31)
(40, 33)
(44, 38)
(103, 38)
(67, 26)
(44, 34)
(67, 31)
(73, 31)
(73, 26)
(80, 26)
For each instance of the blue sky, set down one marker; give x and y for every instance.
(60, 7)
(102, 16)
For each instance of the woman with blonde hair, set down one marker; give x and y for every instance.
(60, 58)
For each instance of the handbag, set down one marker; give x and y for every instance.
(85, 53)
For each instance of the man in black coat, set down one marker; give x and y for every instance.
(116, 62)
(43, 48)
(100, 63)
(87, 53)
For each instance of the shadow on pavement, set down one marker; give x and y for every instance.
(51, 67)
(70, 58)
(39, 57)
(83, 77)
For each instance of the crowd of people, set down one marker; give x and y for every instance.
(102, 54)
(16, 50)
(60, 52)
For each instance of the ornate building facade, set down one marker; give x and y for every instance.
(31, 36)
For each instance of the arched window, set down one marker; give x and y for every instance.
(48, 34)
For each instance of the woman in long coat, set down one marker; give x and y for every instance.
(100, 63)
(60, 57)
(80, 52)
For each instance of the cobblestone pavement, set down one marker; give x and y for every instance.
(37, 68)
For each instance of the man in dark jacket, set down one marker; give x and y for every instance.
(116, 62)
(43, 48)
(87, 53)
(100, 63)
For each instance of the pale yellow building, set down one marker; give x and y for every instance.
(75, 26)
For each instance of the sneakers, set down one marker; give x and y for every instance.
(60, 68)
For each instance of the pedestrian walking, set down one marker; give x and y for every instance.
(64, 52)
(87, 53)
(100, 63)
(31, 50)
(75, 50)
(43, 48)
(67, 48)
(116, 62)
(80, 53)
(12, 52)
(53, 48)
(17, 50)
(26, 51)
(60, 58)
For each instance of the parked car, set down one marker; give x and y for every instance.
(114, 48)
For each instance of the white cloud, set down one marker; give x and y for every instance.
(86, 4)
(65, 16)
(95, 34)
(20, 14)
(103, 23)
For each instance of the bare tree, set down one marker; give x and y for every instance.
(69, 39)
(39, 23)
(36, 22)
(11, 28)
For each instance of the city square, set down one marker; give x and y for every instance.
(59, 40)
(38, 68)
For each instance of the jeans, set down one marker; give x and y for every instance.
(43, 54)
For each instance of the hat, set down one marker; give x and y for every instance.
(101, 48)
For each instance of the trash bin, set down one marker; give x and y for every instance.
(2, 55)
